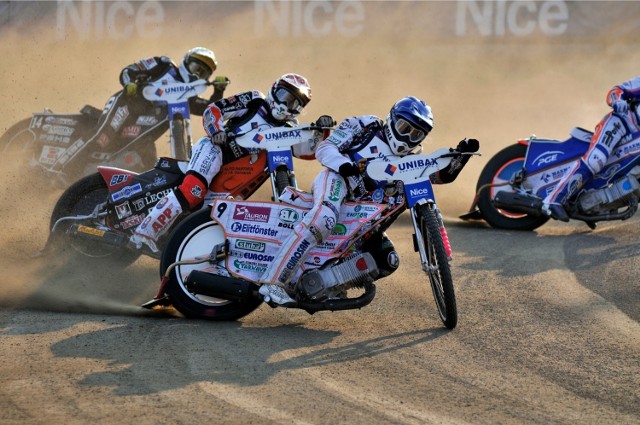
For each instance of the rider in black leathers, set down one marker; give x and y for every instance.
(125, 108)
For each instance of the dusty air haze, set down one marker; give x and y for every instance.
(548, 329)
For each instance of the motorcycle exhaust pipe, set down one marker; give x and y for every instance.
(228, 288)
(518, 203)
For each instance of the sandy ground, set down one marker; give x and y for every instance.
(548, 329)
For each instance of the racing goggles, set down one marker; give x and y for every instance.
(199, 69)
(408, 131)
(293, 103)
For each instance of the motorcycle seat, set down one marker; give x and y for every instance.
(581, 134)
(91, 111)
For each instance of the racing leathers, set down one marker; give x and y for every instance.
(615, 127)
(236, 114)
(354, 140)
(117, 124)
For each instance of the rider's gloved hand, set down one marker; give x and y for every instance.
(325, 121)
(221, 82)
(219, 138)
(131, 89)
(468, 145)
(620, 106)
(349, 169)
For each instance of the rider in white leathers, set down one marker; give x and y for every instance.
(615, 127)
(240, 113)
(356, 139)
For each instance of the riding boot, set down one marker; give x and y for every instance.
(554, 204)
(157, 223)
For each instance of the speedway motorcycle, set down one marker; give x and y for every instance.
(514, 182)
(47, 141)
(97, 215)
(213, 259)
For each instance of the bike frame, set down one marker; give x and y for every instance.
(176, 97)
(548, 160)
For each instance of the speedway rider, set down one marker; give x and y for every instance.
(124, 108)
(240, 113)
(408, 123)
(614, 127)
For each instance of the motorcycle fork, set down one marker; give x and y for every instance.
(418, 240)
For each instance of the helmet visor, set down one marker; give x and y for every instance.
(293, 103)
(199, 69)
(409, 132)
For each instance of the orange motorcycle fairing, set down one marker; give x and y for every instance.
(242, 177)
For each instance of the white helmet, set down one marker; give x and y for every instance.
(198, 61)
(409, 122)
(288, 96)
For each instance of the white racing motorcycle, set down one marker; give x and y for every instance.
(212, 261)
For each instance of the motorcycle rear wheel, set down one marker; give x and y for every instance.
(80, 199)
(500, 169)
(437, 265)
(18, 142)
(195, 237)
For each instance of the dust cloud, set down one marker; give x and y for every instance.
(495, 94)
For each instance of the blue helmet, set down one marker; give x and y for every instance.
(408, 124)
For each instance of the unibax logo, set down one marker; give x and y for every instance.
(418, 163)
(391, 169)
(284, 135)
(159, 92)
(178, 89)
(373, 149)
(258, 138)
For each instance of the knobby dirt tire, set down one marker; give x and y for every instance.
(438, 270)
(494, 172)
(177, 131)
(80, 199)
(283, 179)
(196, 236)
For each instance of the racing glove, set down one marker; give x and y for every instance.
(131, 89)
(221, 82)
(349, 169)
(468, 145)
(219, 138)
(325, 121)
(620, 106)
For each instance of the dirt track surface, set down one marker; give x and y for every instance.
(548, 321)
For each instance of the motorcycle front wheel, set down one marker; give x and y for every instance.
(494, 178)
(194, 238)
(80, 199)
(180, 140)
(437, 264)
